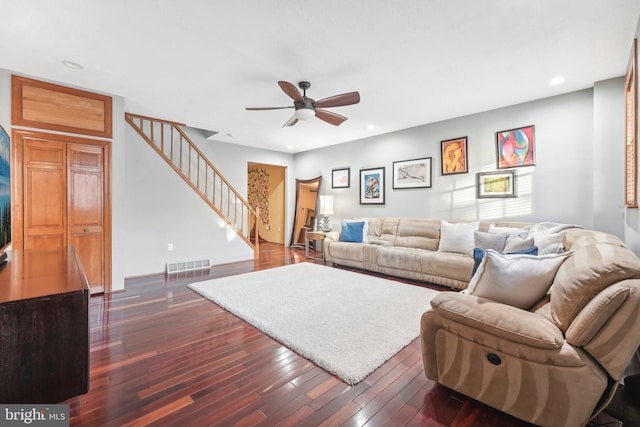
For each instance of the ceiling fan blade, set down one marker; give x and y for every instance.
(339, 100)
(291, 90)
(292, 121)
(330, 117)
(267, 108)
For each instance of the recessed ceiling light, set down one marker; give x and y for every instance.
(72, 65)
(289, 147)
(557, 80)
(371, 127)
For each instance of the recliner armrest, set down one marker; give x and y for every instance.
(498, 319)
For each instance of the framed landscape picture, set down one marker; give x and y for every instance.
(454, 156)
(372, 186)
(496, 184)
(340, 178)
(516, 147)
(414, 173)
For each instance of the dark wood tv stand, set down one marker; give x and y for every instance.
(44, 327)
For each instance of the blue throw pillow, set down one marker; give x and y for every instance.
(478, 254)
(351, 231)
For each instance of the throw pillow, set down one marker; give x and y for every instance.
(457, 237)
(495, 241)
(478, 254)
(516, 242)
(351, 231)
(365, 228)
(517, 280)
(542, 239)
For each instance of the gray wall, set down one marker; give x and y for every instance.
(608, 159)
(559, 188)
(160, 208)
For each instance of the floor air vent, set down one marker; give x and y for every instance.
(179, 267)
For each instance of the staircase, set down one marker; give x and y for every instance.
(174, 146)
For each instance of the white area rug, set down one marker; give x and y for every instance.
(347, 323)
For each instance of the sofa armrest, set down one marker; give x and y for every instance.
(498, 319)
(332, 236)
(611, 336)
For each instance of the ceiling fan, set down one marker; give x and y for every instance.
(306, 107)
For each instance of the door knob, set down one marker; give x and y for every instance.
(86, 230)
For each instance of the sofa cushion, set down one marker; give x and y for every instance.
(457, 237)
(418, 233)
(346, 251)
(591, 269)
(446, 264)
(518, 280)
(351, 231)
(406, 259)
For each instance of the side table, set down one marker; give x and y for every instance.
(314, 236)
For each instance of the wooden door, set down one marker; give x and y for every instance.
(45, 194)
(62, 199)
(85, 210)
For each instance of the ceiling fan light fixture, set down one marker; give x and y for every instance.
(304, 113)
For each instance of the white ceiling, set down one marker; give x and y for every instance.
(201, 62)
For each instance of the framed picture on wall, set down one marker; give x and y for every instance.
(414, 173)
(372, 186)
(499, 184)
(454, 156)
(341, 178)
(516, 147)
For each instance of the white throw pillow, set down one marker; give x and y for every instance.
(365, 228)
(457, 237)
(517, 280)
(542, 240)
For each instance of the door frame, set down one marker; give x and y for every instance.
(17, 188)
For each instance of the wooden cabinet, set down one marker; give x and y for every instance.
(44, 327)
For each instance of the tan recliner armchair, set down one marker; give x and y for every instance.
(558, 363)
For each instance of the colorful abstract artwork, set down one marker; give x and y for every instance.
(372, 186)
(454, 156)
(516, 147)
(5, 189)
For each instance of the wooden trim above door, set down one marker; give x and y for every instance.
(17, 188)
(44, 105)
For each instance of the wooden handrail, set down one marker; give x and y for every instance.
(239, 224)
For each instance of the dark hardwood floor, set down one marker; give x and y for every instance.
(163, 355)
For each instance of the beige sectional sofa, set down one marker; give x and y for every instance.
(406, 247)
(555, 363)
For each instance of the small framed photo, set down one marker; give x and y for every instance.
(415, 173)
(501, 184)
(372, 186)
(454, 156)
(516, 147)
(341, 178)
